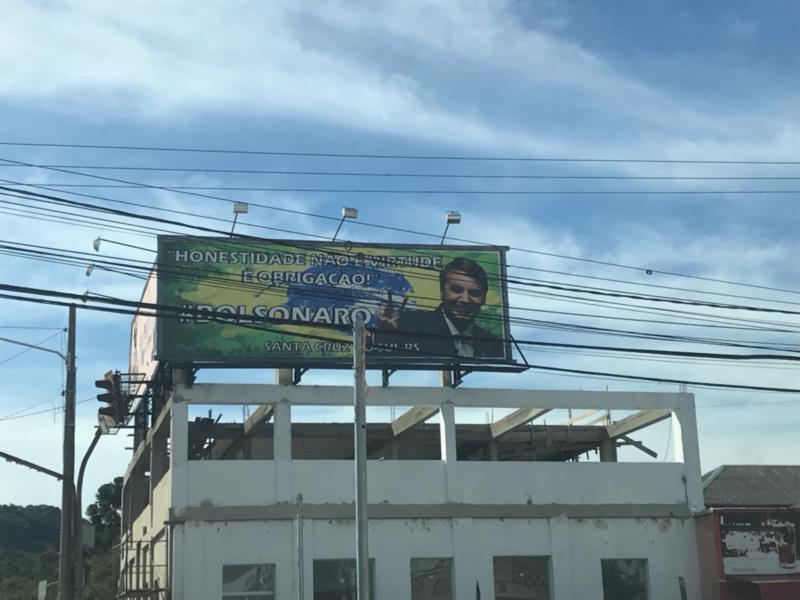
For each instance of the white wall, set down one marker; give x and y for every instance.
(257, 482)
(576, 547)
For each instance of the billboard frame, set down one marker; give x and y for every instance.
(391, 363)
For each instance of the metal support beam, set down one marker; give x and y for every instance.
(412, 417)
(637, 421)
(515, 419)
(638, 445)
(30, 465)
(385, 375)
(298, 376)
(360, 435)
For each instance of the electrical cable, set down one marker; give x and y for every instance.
(321, 293)
(180, 311)
(674, 288)
(306, 213)
(397, 156)
(24, 350)
(398, 175)
(41, 412)
(583, 289)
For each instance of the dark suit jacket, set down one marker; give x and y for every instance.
(422, 333)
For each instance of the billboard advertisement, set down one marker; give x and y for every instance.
(760, 543)
(286, 302)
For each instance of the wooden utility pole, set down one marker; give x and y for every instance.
(67, 535)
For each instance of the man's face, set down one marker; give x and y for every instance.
(462, 297)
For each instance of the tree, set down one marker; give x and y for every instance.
(102, 564)
(104, 514)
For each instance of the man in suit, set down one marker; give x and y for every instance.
(450, 329)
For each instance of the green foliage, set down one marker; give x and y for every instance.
(104, 514)
(29, 547)
(28, 528)
(20, 573)
(103, 570)
(102, 565)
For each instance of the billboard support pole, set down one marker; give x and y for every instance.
(360, 394)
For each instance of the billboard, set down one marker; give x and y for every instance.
(760, 543)
(286, 302)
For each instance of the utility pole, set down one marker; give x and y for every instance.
(360, 399)
(68, 536)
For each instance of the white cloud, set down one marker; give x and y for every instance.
(286, 59)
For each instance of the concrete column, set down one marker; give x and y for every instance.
(608, 450)
(284, 376)
(159, 461)
(471, 565)
(283, 451)
(447, 435)
(561, 561)
(180, 570)
(687, 451)
(179, 456)
(493, 449)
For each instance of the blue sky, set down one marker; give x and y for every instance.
(631, 80)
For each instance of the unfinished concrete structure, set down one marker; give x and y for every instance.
(264, 508)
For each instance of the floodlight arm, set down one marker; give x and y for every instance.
(338, 229)
(444, 235)
(35, 347)
(96, 245)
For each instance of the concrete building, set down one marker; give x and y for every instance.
(263, 509)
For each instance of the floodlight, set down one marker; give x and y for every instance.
(240, 208)
(451, 217)
(347, 213)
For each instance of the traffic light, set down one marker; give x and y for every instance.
(114, 414)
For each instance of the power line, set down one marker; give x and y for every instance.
(399, 156)
(41, 412)
(583, 290)
(386, 227)
(181, 310)
(664, 380)
(401, 174)
(23, 351)
(220, 279)
(29, 327)
(126, 307)
(437, 192)
(508, 266)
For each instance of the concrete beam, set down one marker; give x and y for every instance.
(449, 510)
(317, 395)
(260, 416)
(412, 417)
(637, 421)
(518, 417)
